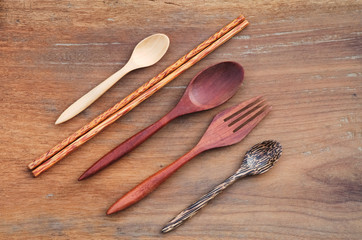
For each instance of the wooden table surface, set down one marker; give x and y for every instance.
(305, 57)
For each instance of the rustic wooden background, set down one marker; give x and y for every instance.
(304, 56)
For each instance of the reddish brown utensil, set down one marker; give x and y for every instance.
(208, 89)
(227, 128)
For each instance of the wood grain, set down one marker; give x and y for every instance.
(303, 56)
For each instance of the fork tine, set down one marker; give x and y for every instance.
(245, 112)
(234, 111)
(252, 120)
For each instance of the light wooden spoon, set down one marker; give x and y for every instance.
(147, 52)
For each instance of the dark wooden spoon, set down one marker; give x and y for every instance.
(208, 89)
(259, 159)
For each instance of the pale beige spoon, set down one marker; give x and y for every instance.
(147, 52)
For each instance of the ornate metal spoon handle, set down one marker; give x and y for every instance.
(195, 207)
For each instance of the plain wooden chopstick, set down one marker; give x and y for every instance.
(201, 51)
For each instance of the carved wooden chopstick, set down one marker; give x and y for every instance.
(124, 106)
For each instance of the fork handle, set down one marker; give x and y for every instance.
(196, 206)
(151, 183)
(128, 145)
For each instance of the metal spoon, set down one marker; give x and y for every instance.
(147, 52)
(259, 159)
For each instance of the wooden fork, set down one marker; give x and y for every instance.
(227, 128)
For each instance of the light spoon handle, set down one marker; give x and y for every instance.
(195, 207)
(83, 102)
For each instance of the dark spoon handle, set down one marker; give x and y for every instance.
(196, 206)
(128, 145)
